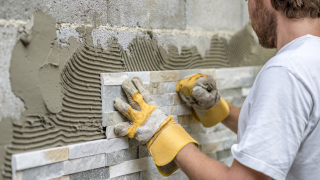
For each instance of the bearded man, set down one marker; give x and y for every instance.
(278, 126)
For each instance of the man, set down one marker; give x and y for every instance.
(278, 127)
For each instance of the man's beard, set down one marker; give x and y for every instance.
(264, 23)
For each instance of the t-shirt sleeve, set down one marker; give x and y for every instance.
(279, 109)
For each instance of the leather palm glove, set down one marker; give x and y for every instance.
(151, 126)
(200, 92)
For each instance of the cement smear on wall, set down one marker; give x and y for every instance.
(61, 86)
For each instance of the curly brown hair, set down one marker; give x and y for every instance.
(295, 9)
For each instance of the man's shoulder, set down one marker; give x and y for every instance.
(299, 57)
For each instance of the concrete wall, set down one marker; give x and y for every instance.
(141, 35)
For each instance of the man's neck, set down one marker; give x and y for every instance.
(290, 29)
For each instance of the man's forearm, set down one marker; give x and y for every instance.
(232, 120)
(197, 165)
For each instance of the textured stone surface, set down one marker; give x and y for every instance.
(245, 91)
(187, 119)
(44, 172)
(216, 15)
(170, 87)
(129, 167)
(144, 76)
(108, 79)
(155, 88)
(94, 174)
(121, 156)
(110, 133)
(184, 73)
(97, 147)
(212, 137)
(133, 176)
(163, 99)
(113, 118)
(223, 144)
(61, 178)
(39, 158)
(164, 76)
(84, 164)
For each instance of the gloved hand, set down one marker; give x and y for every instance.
(151, 126)
(200, 92)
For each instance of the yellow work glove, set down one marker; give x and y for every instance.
(200, 92)
(151, 126)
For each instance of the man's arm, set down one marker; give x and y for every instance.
(232, 120)
(197, 165)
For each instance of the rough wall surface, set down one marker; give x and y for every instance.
(50, 88)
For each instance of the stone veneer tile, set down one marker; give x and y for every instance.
(39, 158)
(170, 87)
(184, 73)
(164, 76)
(187, 119)
(164, 99)
(44, 172)
(108, 79)
(133, 176)
(97, 147)
(84, 164)
(213, 137)
(155, 88)
(113, 118)
(110, 133)
(129, 167)
(239, 72)
(144, 76)
(94, 174)
(61, 178)
(121, 156)
(245, 91)
(212, 72)
(221, 145)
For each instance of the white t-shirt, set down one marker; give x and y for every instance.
(278, 128)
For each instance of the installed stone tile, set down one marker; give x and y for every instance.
(94, 174)
(108, 79)
(61, 178)
(151, 174)
(110, 133)
(44, 172)
(170, 87)
(84, 164)
(234, 72)
(143, 151)
(221, 145)
(187, 119)
(133, 176)
(121, 156)
(213, 137)
(184, 73)
(113, 118)
(182, 109)
(212, 72)
(144, 76)
(97, 147)
(227, 161)
(38, 158)
(155, 88)
(177, 99)
(227, 93)
(111, 92)
(129, 167)
(164, 76)
(245, 91)
(163, 99)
